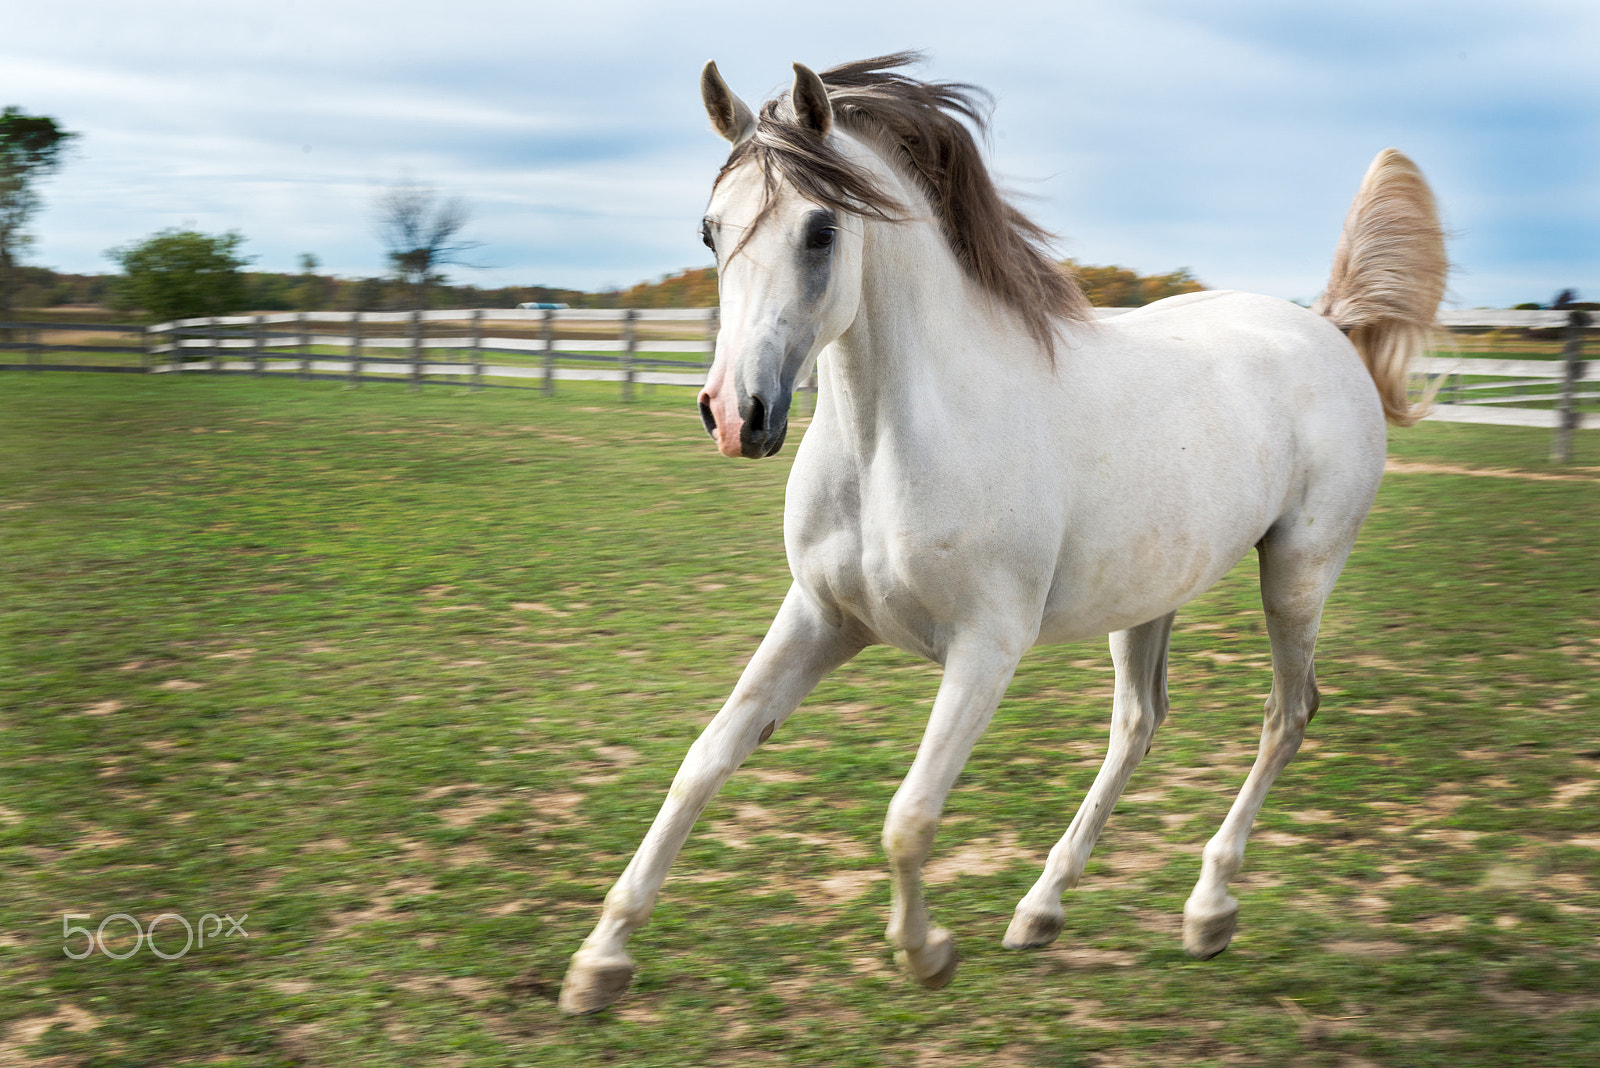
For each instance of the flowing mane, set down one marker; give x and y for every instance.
(923, 125)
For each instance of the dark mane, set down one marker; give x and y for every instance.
(924, 125)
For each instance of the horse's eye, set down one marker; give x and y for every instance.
(705, 236)
(822, 237)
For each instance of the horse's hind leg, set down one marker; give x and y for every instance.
(1297, 574)
(1140, 705)
(797, 652)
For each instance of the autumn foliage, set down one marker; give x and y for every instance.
(1106, 287)
(1118, 287)
(692, 288)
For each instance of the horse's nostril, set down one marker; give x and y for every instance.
(709, 420)
(757, 420)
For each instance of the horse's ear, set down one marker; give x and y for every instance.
(730, 117)
(810, 99)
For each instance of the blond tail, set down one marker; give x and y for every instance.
(1388, 275)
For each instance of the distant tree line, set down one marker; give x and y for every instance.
(309, 290)
(40, 287)
(694, 288)
(1106, 287)
(1566, 300)
(181, 273)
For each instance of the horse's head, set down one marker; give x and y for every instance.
(788, 264)
(792, 209)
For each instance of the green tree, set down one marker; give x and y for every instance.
(30, 148)
(312, 292)
(182, 274)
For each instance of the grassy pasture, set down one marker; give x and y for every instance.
(401, 678)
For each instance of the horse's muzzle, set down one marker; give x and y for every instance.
(761, 429)
(764, 428)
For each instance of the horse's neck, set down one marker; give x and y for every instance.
(925, 335)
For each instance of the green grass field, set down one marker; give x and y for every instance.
(399, 679)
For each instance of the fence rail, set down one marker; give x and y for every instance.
(673, 346)
(645, 352)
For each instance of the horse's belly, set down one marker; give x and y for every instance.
(1159, 542)
(1118, 593)
(1024, 571)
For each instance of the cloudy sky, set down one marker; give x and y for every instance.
(1226, 137)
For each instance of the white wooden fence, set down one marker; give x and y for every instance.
(674, 347)
(450, 343)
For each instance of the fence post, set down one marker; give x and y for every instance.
(416, 351)
(477, 349)
(713, 324)
(214, 335)
(548, 333)
(630, 343)
(147, 361)
(175, 353)
(355, 351)
(258, 356)
(305, 345)
(1567, 409)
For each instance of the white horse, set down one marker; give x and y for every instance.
(989, 469)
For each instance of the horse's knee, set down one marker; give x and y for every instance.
(711, 761)
(1223, 857)
(908, 831)
(1290, 710)
(1136, 726)
(626, 909)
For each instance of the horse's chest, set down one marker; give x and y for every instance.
(877, 579)
(911, 569)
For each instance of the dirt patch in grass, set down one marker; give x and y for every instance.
(1086, 958)
(28, 1030)
(849, 885)
(469, 812)
(1379, 948)
(985, 856)
(1412, 467)
(751, 821)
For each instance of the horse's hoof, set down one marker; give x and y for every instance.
(1206, 936)
(1030, 930)
(594, 982)
(934, 965)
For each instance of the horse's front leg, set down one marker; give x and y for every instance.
(799, 649)
(974, 682)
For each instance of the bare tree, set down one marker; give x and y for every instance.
(419, 230)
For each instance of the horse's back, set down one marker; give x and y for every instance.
(1217, 416)
(1273, 368)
